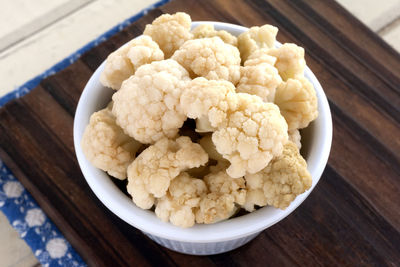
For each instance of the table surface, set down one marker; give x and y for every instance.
(351, 217)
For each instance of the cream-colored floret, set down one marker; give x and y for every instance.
(280, 182)
(208, 31)
(290, 60)
(122, 63)
(220, 182)
(170, 31)
(295, 137)
(209, 98)
(286, 177)
(260, 56)
(182, 200)
(150, 174)
(261, 80)
(256, 38)
(215, 207)
(210, 58)
(297, 101)
(106, 146)
(144, 50)
(147, 105)
(219, 204)
(255, 132)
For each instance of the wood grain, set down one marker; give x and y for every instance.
(352, 217)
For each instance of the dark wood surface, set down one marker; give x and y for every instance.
(352, 217)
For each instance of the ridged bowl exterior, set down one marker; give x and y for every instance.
(202, 248)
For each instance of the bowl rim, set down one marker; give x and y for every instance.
(122, 206)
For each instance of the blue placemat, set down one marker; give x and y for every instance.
(43, 237)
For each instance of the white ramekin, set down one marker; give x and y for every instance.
(201, 239)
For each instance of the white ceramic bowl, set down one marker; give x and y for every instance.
(201, 239)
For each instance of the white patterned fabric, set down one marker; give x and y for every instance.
(45, 240)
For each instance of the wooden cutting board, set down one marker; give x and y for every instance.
(351, 218)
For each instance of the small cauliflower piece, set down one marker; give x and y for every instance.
(106, 146)
(210, 58)
(295, 137)
(286, 177)
(280, 182)
(170, 31)
(261, 80)
(298, 102)
(150, 174)
(219, 203)
(255, 133)
(256, 38)
(220, 182)
(290, 60)
(182, 200)
(208, 99)
(147, 105)
(122, 63)
(260, 56)
(117, 69)
(208, 31)
(143, 50)
(215, 207)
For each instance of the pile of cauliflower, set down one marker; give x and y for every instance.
(204, 123)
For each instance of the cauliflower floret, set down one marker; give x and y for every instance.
(106, 146)
(181, 201)
(286, 177)
(143, 50)
(256, 38)
(261, 80)
(255, 133)
(170, 31)
(208, 98)
(298, 102)
(224, 192)
(122, 63)
(147, 105)
(290, 60)
(207, 31)
(260, 56)
(210, 58)
(151, 172)
(220, 182)
(215, 207)
(295, 137)
(280, 182)
(207, 144)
